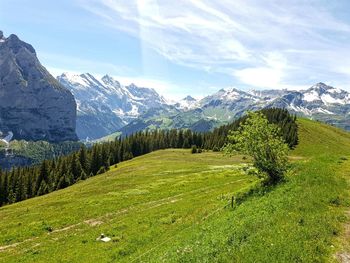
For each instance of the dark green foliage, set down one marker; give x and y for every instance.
(194, 149)
(286, 123)
(26, 182)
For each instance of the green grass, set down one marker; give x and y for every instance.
(140, 203)
(169, 206)
(298, 221)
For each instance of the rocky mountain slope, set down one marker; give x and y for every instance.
(33, 105)
(104, 105)
(320, 102)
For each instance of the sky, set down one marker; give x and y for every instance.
(189, 46)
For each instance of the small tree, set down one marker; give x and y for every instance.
(259, 139)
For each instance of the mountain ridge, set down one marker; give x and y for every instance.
(107, 103)
(130, 108)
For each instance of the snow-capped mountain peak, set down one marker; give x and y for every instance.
(108, 101)
(108, 80)
(326, 94)
(187, 103)
(229, 95)
(189, 98)
(74, 78)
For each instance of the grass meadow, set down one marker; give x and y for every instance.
(173, 206)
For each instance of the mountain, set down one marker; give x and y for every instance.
(320, 98)
(33, 105)
(204, 115)
(187, 103)
(104, 105)
(320, 102)
(228, 104)
(25, 153)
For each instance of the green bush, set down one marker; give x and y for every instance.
(262, 141)
(194, 149)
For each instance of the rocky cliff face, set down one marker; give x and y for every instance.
(33, 105)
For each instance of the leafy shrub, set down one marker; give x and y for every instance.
(262, 141)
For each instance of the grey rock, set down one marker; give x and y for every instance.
(33, 105)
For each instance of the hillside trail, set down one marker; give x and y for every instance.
(344, 256)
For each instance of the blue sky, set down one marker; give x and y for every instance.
(188, 46)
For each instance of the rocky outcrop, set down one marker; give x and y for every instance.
(33, 105)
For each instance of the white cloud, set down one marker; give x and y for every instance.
(261, 43)
(260, 77)
(269, 75)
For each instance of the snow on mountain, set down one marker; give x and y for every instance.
(107, 100)
(326, 94)
(187, 103)
(319, 101)
(112, 105)
(228, 96)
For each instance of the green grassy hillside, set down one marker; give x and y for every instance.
(169, 206)
(138, 204)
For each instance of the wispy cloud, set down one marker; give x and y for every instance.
(260, 43)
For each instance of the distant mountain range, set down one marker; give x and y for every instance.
(105, 106)
(36, 106)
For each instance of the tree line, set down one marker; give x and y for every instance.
(286, 122)
(25, 182)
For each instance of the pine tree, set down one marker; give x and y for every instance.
(43, 177)
(83, 159)
(76, 168)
